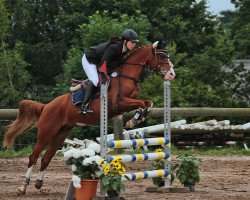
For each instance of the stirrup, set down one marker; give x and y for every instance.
(85, 110)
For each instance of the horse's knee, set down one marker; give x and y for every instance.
(149, 103)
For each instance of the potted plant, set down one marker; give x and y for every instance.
(187, 171)
(111, 178)
(160, 164)
(84, 162)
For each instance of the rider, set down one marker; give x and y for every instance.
(103, 56)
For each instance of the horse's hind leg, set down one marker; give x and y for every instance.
(45, 133)
(32, 160)
(53, 146)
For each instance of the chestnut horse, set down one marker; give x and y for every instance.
(55, 120)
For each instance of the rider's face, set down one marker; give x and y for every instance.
(131, 45)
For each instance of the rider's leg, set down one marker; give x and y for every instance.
(88, 94)
(91, 72)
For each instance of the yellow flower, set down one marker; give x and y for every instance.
(123, 169)
(115, 161)
(106, 168)
(118, 165)
(101, 161)
(158, 150)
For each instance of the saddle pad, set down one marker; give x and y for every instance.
(78, 95)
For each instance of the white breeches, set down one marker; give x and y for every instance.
(90, 70)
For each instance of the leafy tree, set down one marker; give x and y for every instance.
(241, 29)
(34, 23)
(185, 22)
(13, 74)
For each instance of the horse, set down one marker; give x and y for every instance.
(55, 120)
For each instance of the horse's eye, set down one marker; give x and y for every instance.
(162, 57)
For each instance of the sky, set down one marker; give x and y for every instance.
(216, 6)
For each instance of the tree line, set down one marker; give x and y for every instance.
(42, 41)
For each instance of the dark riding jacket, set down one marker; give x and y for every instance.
(108, 52)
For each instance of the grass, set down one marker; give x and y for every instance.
(25, 152)
(213, 151)
(202, 151)
(205, 151)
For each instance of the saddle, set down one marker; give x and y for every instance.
(77, 84)
(78, 88)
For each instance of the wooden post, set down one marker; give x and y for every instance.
(118, 127)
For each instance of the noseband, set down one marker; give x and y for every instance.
(159, 69)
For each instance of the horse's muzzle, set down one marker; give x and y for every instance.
(170, 75)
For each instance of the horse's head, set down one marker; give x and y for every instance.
(159, 61)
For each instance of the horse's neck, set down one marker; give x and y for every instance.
(140, 55)
(133, 64)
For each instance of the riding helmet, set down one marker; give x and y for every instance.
(129, 35)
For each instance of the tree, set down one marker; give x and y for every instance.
(13, 75)
(35, 24)
(241, 29)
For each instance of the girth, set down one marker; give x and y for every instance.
(128, 77)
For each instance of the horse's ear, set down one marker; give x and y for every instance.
(155, 44)
(159, 44)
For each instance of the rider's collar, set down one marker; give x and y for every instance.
(124, 48)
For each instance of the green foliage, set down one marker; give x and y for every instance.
(187, 171)
(13, 75)
(241, 29)
(212, 151)
(13, 154)
(101, 27)
(4, 21)
(160, 164)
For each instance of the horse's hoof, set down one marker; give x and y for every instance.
(20, 191)
(129, 124)
(38, 184)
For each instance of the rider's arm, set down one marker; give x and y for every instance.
(109, 55)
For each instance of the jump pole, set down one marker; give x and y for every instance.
(167, 133)
(165, 142)
(103, 126)
(167, 130)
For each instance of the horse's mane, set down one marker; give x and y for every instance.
(136, 50)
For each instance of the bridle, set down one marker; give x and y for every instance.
(146, 64)
(159, 69)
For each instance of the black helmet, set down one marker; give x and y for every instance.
(130, 35)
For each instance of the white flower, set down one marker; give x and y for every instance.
(76, 153)
(76, 181)
(96, 159)
(68, 153)
(87, 161)
(87, 152)
(74, 168)
(95, 147)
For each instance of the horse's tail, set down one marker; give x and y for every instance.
(29, 112)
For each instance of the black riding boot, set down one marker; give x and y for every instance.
(88, 94)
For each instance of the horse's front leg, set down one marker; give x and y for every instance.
(132, 104)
